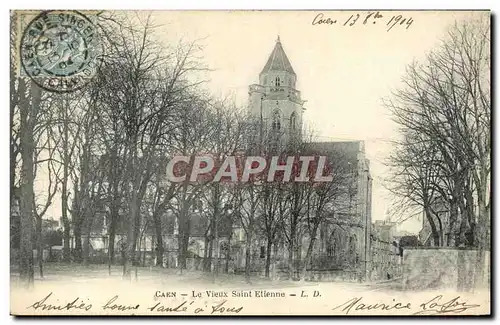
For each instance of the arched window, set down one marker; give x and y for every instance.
(293, 122)
(276, 121)
(278, 81)
(333, 245)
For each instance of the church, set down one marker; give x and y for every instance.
(342, 248)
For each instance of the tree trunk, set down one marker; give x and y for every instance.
(27, 180)
(268, 256)
(86, 249)
(248, 255)
(451, 239)
(141, 247)
(39, 244)
(209, 241)
(77, 232)
(275, 259)
(207, 253)
(228, 252)
(183, 248)
(468, 216)
(435, 233)
(144, 252)
(210, 254)
(14, 99)
(64, 187)
(290, 261)
(66, 241)
(217, 249)
(131, 239)
(112, 236)
(183, 242)
(134, 208)
(115, 202)
(86, 243)
(291, 251)
(159, 238)
(308, 253)
(137, 238)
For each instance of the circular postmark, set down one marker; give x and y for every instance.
(59, 50)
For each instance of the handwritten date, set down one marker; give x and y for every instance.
(368, 18)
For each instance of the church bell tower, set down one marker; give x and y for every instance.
(275, 104)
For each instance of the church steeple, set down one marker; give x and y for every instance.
(278, 61)
(275, 103)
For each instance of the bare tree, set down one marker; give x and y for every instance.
(445, 109)
(50, 178)
(148, 87)
(326, 198)
(28, 107)
(272, 217)
(161, 198)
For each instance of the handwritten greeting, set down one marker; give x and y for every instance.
(49, 303)
(196, 303)
(390, 21)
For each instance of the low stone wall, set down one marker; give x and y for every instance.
(429, 268)
(391, 268)
(334, 276)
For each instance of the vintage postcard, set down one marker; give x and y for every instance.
(233, 163)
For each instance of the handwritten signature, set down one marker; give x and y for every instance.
(356, 304)
(434, 306)
(437, 306)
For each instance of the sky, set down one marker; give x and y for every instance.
(342, 71)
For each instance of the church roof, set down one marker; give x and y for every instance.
(278, 61)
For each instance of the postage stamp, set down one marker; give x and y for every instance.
(251, 163)
(59, 50)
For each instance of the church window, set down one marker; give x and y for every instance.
(330, 249)
(278, 81)
(262, 252)
(293, 122)
(276, 121)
